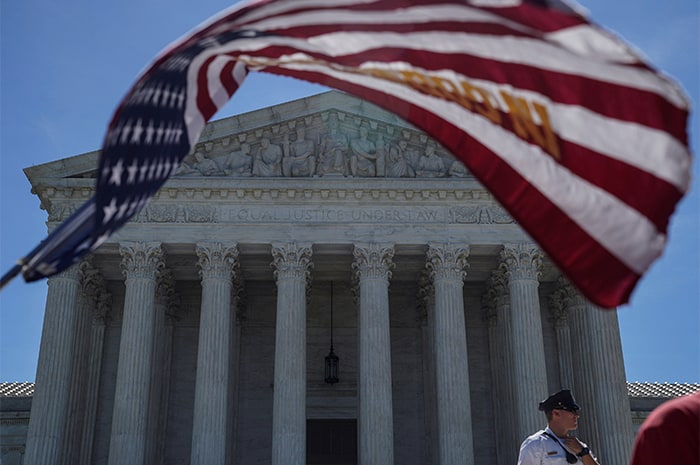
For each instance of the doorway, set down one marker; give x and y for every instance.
(331, 442)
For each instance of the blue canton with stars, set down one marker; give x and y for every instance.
(143, 147)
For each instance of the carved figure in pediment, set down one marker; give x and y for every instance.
(458, 170)
(333, 148)
(268, 161)
(364, 155)
(397, 161)
(205, 166)
(299, 159)
(381, 155)
(239, 162)
(187, 168)
(430, 164)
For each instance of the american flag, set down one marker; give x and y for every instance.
(581, 140)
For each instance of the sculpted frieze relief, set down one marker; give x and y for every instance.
(59, 211)
(480, 214)
(192, 213)
(328, 144)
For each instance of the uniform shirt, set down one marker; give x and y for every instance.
(539, 449)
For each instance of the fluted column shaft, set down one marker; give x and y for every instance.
(141, 262)
(53, 375)
(165, 290)
(522, 264)
(496, 361)
(584, 384)
(216, 262)
(426, 298)
(73, 427)
(616, 432)
(164, 400)
(601, 379)
(501, 347)
(376, 425)
(292, 264)
(91, 287)
(447, 264)
(93, 369)
(557, 302)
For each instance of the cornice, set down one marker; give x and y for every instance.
(281, 189)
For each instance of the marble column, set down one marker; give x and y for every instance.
(238, 304)
(217, 267)
(100, 317)
(560, 315)
(584, 384)
(522, 264)
(597, 343)
(141, 263)
(165, 297)
(292, 264)
(172, 315)
(612, 399)
(426, 306)
(53, 375)
(92, 285)
(447, 264)
(372, 265)
(497, 303)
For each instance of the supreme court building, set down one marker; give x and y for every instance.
(198, 333)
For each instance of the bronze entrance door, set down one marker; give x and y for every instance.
(331, 442)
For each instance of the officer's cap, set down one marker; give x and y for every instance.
(560, 400)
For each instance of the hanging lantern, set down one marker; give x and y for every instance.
(332, 360)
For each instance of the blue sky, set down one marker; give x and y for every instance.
(65, 65)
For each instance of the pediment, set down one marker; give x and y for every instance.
(328, 134)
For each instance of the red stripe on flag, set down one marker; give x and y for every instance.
(626, 182)
(542, 19)
(227, 79)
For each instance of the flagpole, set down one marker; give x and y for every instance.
(15, 270)
(10, 275)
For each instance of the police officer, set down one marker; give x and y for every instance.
(553, 445)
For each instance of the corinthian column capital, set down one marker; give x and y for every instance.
(216, 260)
(90, 279)
(561, 300)
(292, 260)
(447, 261)
(94, 290)
(141, 259)
(521, 261)
(373, 261)
(570, 296)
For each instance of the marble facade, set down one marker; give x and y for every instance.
(198, 332)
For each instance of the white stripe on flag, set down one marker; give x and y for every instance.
(409, 15)
(648, 149)
(592, 42)
(217, 92)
